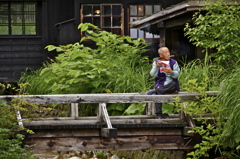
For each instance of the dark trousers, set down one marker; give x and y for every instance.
(169, 88)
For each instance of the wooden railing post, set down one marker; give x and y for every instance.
(103, 116)
(189, 120)
(150, 108)
(74, 110)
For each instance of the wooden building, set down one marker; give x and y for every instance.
(27, 26)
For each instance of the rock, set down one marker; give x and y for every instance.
(75, 158)
(114, 157)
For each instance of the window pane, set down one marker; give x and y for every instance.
(133, 9)
(116, 31)
(106, 10)
(29, 18)
(149, 35)
(140, 10)
(156, 36)
(3, 8)
(141, 34)
(148, 9)
(107, 29)
(132, 19)
(3, 30)
(107, 22)
(28, 6)
(116, 21)
(3, 19)
(157, 8)
(116, 10)
(87, 10)
(16, 18)
(133, 33)
(96, 10)
(96, 21)
(87, 20)
(30, 30)
(17, 30)
(17, 7)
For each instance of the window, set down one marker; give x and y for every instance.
(18, 18)
(137, 12)
(106, 16)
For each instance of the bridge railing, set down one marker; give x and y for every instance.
(105, 98)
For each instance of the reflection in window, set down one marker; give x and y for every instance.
(138, 12)
(18, 18)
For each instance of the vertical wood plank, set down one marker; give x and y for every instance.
(74, 110)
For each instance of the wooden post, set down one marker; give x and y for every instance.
(74, 110)
(150, 108)
(99, 113)
(189, 121)
(103, 115)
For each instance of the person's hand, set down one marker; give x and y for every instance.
(167, 70)
(159, 63)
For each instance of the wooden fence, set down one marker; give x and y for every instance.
(159, 134)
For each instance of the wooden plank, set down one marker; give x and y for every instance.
(106, 98)
(74, 110)
(113, 121)
(91, 132)
(118, 143)
(105, 115)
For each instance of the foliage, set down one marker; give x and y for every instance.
(202, 70)
(80, 69)
(217, 28)
(10, 138)
(230, 109)
(116, 65)
(206, 105)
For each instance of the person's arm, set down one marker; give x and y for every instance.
(176, 71)
(154, 70)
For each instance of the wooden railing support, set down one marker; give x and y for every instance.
(190, 122)
(74, 110)
(103, 116)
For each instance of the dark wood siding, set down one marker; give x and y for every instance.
(17, 54)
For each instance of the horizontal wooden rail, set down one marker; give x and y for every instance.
(107, 98)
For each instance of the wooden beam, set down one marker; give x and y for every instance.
(64, 124)
(106, 98)
(118, 143)
(94, 132)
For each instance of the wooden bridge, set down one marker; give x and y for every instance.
(104, 132)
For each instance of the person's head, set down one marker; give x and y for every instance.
(164, 53)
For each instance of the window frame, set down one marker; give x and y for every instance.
(22, 22)
(101, 16)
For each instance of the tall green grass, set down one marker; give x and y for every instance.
(229, 100)
(37, 84)
(202, 70)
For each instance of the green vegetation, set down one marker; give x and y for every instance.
(114, 66)
(10, 136)
(217, 31)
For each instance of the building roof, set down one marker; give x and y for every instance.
(168, 13)
(155, 21)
